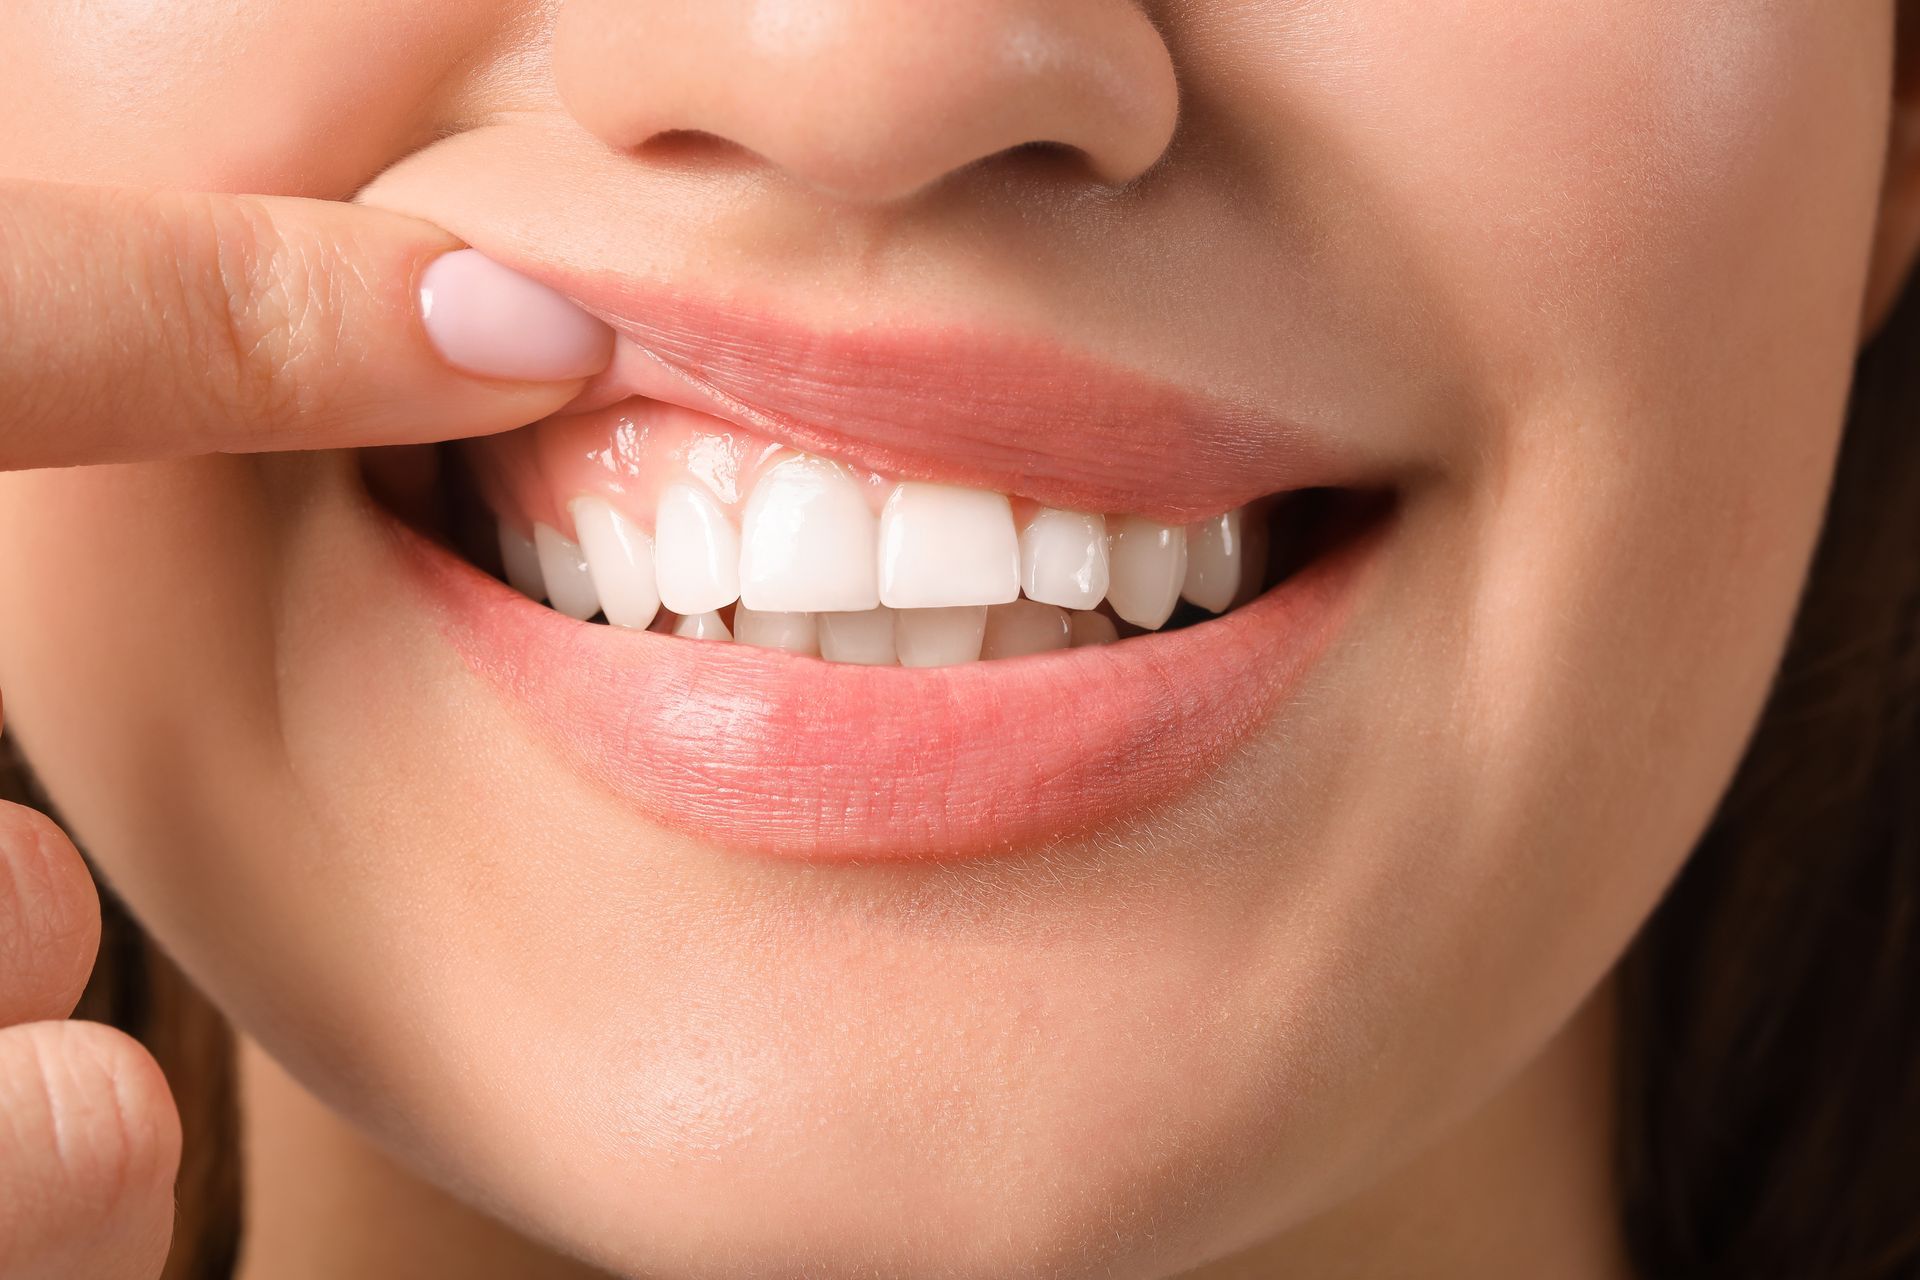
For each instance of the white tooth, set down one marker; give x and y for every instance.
(789, 632)
(696, 551)
(941, 546)
(1148, 565)
(807, 542)
(1216, 549)
(1023, 627)
(702, 626)
(1090, 628)
(1254, 537)
(939, 637)
(862, 638)
(1063, 558)
(522, 563)
(620, 559)
(569, 585)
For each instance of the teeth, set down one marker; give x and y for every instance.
(940, 575)
(1063, 558)
(522, 563)
(619, 561)
(702, 626)
(939, 637)
(1089, 628)
(807, 542)
(862, 638)
(788, 632)
(569, 584)
(1023, 627)
(696, 551)
(1254, 537)
(1148, 564)
(1216, 552)
(943, 546)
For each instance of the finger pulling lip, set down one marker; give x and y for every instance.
(774, 754)
(1026, 416)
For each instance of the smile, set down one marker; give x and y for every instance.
(736, 623)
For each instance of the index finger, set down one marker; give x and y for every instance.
(141, 325)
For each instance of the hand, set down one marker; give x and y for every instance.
(139, 325)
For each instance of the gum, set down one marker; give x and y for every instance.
(628, 454)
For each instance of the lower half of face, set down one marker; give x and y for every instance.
(692, 955)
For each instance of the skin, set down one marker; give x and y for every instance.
(1335, 1014)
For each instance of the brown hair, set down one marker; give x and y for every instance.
(1769, 1123)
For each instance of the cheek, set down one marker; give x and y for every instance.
(139, 638)
(1612, 207)
(257, 95)
(1670, 322)
(1663, 313)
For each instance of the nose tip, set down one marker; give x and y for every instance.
(872, 101)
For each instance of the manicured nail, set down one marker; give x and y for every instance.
(488, 320)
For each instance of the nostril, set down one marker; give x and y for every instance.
(689, 148)
(1037, 163)
(874, 101)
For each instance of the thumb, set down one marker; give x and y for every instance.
(92, 1143)
(141, 325)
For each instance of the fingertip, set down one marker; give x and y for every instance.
(86, 1185)
(487, 319)
(49, 918)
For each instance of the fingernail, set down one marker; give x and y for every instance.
(488, 320)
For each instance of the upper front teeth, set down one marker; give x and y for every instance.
(917, 574)
(807, 541)
(1063, 558)
(942, 546)
(696, 551)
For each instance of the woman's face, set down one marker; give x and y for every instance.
(1579, 283)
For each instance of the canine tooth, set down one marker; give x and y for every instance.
(1088, 628)
(1023, 627)
(1148, 565)
(939, 637)
(569, 584)
(943, 546)
(619, 560)
(696, 551)
(1254, 540)
(1215, 552)
(522, 563)
(864, 638)
(807, 542)
(776, 629)
(702, 626)
(1063, 558)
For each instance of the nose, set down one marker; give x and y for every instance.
(871, 101)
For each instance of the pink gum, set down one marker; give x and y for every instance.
(628, 454)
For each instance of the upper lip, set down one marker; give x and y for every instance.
(1024, 415)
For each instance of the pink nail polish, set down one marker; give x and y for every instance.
(488, 320)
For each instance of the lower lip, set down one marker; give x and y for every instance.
(773, 754)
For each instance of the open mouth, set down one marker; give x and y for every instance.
(772, 645)
(651, 516)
